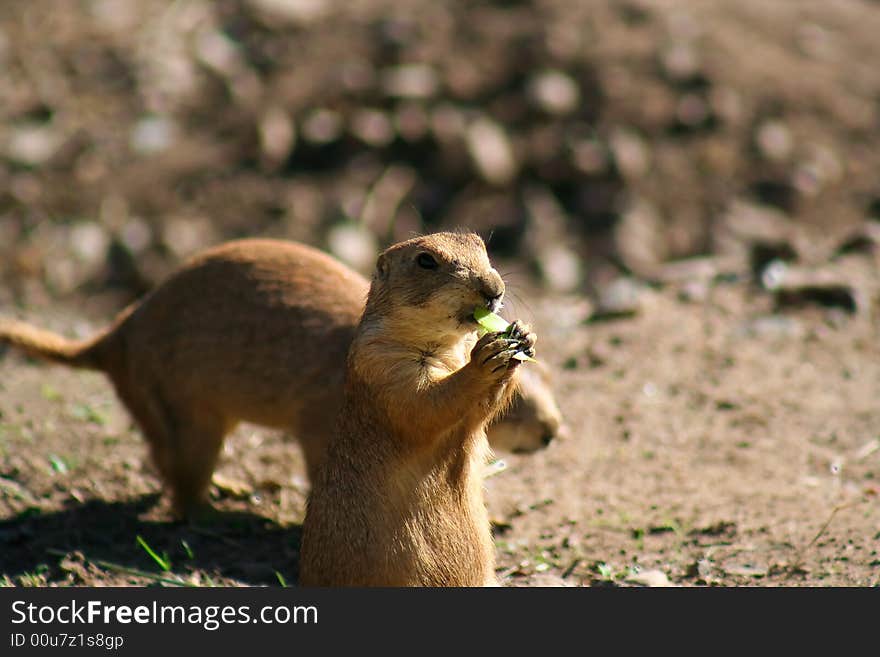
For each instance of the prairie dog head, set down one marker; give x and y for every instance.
(442, 277)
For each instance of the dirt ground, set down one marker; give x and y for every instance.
(683, 197)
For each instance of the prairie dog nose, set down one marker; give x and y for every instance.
(492, 288)
(551, 427)
(494, 303)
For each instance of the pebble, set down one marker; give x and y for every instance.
(491, 151)
(373, 127)
(295, 11)
(218, 52)
(774, 140)
(555, 92)
(680, 62)
(322, 126)
(413, 81)
(560, 268)
(186, 235)
(630, 153)
(89, 242)
(640, 238)
(32, 144)
(353, 244)
(152, 134)
(136, 235)
(277, 134)
(232, 487)
(620, 298)
(650, 578)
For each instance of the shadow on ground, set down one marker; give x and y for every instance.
(83, 543)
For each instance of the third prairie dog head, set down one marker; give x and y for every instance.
(427, 287)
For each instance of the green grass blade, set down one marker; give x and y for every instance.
(164, 564)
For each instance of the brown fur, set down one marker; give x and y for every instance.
(252, 330)
(399, 498)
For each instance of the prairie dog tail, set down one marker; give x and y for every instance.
(52, 346)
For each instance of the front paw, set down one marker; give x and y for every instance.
(521, 339)
(497, 355)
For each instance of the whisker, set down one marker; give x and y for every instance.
(519, 304)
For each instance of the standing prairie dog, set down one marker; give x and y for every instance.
(253, 330)
(399, 499)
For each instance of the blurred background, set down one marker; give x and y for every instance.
(707, 172)
(587, 140)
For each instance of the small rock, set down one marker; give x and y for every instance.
(373, 127)
(630, 153)
(33, 144)
(746, 570)
(218, 52)
(136, 235)
(186, 235)
(294, 11)
(277, 135)
(555, 92)
(560, 268)
(620, 298)
(353, 244)
(680, 62)
(774, 140)
(232, 487)
(640, 238)
(491, 151)
(414, 81)
(773, 274)
(322, 126)
(152, 134)
(89, 242)
(651, 578)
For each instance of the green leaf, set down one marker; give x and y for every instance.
(490, 321)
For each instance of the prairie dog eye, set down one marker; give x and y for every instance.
(426, 261)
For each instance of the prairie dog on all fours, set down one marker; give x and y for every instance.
(253, 330)
(399, 499)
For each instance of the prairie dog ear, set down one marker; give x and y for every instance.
(382, 266)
